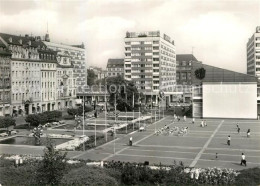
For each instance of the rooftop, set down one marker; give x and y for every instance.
(25, 40)
(185, 57)
(117, 61)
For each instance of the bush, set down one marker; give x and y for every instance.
(88, 176)
(69, 117)
(72, 111)
(22, 126)
(53, 166)
(6, 122)
(22, 175)
(52, 116)
(33, 119)
(248, 177)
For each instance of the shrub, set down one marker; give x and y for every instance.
(33, 119)
(88, 176)
(69, 117)
(6, 122)
(22, 126)
(248, 177)
(22, 175)
(72, 111)
(53, 166)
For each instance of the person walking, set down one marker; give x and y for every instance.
(202, 123)
(131, 141)
(238, 130)
(248, 133)
(243, 159)
(228, 140)
(193, 120)
(184, 118)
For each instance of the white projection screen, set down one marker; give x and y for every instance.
(229, 100)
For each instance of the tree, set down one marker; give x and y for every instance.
(91, 78)
(124, 90)
(6, 122)
(53, 166)
(33, 119)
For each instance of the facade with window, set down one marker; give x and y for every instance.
(150, 61)
(35, 72)
(115, 67)
(77, 60)
(253, 54)
(5, 80)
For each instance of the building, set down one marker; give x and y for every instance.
(253, 54)
(33, 72)
(43, 79)
(5, 80)
(115, 67)
(183, 68)
(150, 61)
(77, 60)
(221, 93)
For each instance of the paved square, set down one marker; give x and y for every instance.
(197, 148)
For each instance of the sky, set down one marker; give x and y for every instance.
(217, 30)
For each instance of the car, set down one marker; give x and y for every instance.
(62, 122)
(13, 132)
(4, 134)
(141, 129)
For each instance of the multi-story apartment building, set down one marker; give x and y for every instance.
(253, 54)
(66, 82)
(77, 60)
(41, 79)
(31, 65)
(150, 61)
(5, 80)
(115, 67)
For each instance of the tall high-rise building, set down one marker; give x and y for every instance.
(150, 61)
(253, 54)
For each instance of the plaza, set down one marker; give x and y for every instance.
(197, 148)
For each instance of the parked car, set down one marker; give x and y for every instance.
(55, 123)
(62, 122)
(13, 132)
(4, 134)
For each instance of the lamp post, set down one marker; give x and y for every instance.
(83, 120)
(106, 108)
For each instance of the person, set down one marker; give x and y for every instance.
(193, 120)
(131, 141)
(228, 141)
(184, 118)
(202, 123)
(238, 130)
(216, 155)
(178, 118)
(248, 133)
(243, 159)
(237, 126)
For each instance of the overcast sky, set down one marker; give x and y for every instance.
(218, 30)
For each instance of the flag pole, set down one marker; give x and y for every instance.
(83, 120)
(106, 108)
